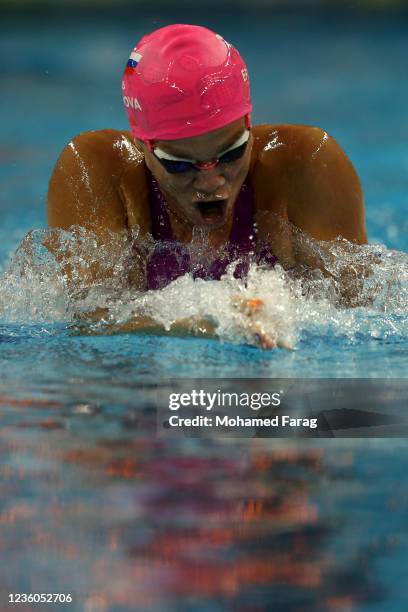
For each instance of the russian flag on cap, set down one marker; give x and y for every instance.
(134, 59)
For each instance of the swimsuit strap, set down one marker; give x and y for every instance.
(161, 226)
(243, 230)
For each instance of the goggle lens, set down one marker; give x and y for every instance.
(180, 166)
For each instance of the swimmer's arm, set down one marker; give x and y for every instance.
(327, 203)
(84, 196)
(182, 327)
(83, 186)
(191, 326)
(305, 181)
(188, 327)
(330, 204)
(327, 198)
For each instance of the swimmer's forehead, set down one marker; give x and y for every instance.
(215, 141)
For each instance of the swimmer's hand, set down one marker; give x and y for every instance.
(253, 309)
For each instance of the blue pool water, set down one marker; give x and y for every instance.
(91, 505)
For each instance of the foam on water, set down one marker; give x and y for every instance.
(85, 276)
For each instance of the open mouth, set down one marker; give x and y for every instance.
(212, 210)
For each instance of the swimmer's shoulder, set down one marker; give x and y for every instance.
(87, 185)
(107, 151)
(277, 152)
(286, 143)
(303, 174)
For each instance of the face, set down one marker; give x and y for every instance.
(203, 198)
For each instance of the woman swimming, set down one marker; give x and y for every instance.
(193, 161)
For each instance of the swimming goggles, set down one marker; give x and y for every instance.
(176, 165)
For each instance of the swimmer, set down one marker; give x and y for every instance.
(192, 160)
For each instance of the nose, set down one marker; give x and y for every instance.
(208, 182)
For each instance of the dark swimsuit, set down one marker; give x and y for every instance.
(171, 259)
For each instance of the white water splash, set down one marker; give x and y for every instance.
(216, 301)
(38, 287)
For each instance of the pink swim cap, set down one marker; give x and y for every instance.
(182, 81)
